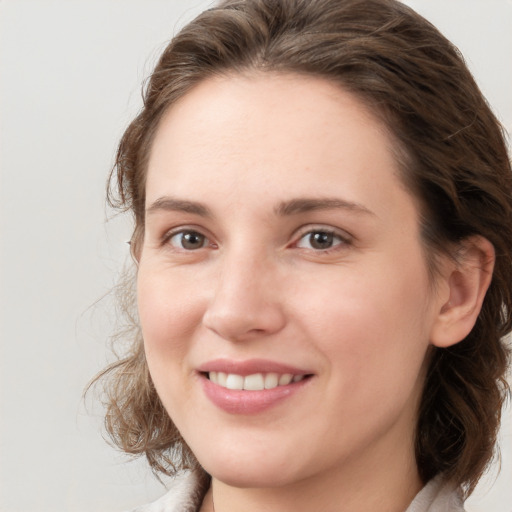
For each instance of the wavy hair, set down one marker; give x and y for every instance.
(453, 156)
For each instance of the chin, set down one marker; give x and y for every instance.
(251, 474)
(256, 479)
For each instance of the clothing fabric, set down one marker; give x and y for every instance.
(438, 496)
(184, 496)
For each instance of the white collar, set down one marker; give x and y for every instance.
(437, 496)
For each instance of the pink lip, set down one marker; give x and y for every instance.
(248, 402)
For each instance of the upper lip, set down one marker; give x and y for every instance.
(249, 367)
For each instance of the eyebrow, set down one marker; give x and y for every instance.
(303, 205)
(178, 205)
(285, 208)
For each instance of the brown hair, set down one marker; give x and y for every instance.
(454, 160)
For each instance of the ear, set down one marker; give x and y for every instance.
(465, 281)
(135, 251)
(136, 244)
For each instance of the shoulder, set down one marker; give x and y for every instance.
(185, 495)
(438, 496)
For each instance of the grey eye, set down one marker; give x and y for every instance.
(188, 240)
(319, 240)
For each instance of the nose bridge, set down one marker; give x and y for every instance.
(245, 302)
(245, 270)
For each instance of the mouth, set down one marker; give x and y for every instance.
(251, 386)
(253, 382)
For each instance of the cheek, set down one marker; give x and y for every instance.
(168, 316)
(372, 326)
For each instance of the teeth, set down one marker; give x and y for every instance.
(235, 381)
(271, 380)
(285, 379)
(222, 379)
(254, 382)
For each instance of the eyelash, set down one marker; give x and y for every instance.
(343, 239)
(167, 240)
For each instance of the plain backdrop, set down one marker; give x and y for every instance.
(70, 77)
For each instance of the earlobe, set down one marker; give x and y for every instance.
(466, 281)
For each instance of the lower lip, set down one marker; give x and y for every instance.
(237, 401)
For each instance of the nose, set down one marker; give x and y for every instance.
(246, 300)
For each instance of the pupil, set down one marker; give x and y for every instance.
(192, 241)
(321, 240)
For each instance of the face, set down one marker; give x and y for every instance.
(283, 291)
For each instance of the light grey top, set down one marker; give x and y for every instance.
(437, 496)
(183, 496)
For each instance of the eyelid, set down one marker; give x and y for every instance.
(343, 235)
(346, 237)
(170, 233)
(309, 228)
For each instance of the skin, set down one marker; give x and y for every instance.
(360, 315)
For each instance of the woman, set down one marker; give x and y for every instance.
(323, 227)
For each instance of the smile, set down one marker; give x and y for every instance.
(251, 386)
(254, 382)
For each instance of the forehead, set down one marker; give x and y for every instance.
(271, 134)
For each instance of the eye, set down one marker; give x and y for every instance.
(188, 240)
(320, 240)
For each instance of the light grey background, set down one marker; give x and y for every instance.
(70, 75)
